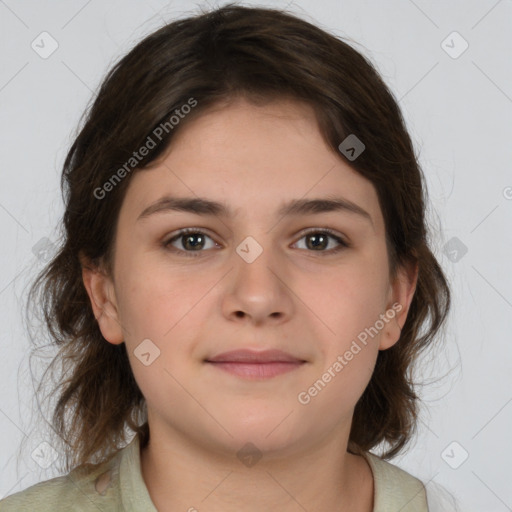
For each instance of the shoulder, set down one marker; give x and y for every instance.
(394, 488)
(83, 489)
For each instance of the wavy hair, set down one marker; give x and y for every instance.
(262, 55)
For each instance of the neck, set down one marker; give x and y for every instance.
(183, 476)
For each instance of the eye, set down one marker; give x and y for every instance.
(192, 240)
(318, 240)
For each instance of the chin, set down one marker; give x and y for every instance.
(268, 435)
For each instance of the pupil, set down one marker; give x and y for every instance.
(316, 237)
(191, 237)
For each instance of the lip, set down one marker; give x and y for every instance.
(252, 356)
(253, 365)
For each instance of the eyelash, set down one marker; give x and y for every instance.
(186, 231)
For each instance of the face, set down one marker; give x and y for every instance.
(311, 282)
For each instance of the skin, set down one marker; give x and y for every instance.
(309, 302)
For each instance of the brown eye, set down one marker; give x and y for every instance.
(319, 241)
(188, 241)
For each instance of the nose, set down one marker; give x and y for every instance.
(258, 289)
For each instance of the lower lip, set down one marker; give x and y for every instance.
(256, 371)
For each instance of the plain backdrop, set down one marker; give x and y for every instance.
(448, 63)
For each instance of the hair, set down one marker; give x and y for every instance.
(213, 58)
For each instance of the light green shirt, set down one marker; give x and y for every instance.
(117, 485)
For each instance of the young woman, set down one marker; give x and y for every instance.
(245, 279)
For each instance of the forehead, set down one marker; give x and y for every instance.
(253, 159)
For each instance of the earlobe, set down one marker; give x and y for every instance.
(401, 295)
(100, 290)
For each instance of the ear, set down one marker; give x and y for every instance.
(100, 289)
(400, 296)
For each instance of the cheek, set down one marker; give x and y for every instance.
(143, 303)
(351, 304)
(157, 308)
(158, 302)
(349, 299)
(347, 385)
(334, 390)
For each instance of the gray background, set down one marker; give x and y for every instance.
(458, 109)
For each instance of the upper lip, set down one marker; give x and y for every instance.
(252, 356)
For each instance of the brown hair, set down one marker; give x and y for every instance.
(259, 54)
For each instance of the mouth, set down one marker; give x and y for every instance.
(253, 365)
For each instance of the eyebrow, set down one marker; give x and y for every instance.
(202, 206)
